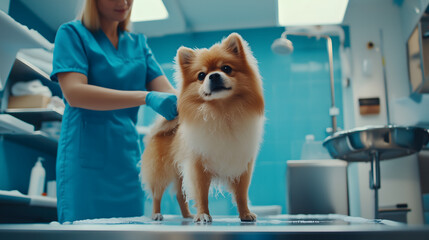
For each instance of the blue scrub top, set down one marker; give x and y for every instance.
(98, 151)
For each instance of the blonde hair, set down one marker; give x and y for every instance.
(91, 18)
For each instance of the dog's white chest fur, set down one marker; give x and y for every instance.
(226, 149)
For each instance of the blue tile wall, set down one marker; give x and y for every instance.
(297, 95)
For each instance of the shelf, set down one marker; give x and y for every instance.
(23, 133)
(17, 37)
(15, 197)
(26, 70)
(38, 140)
(35, 115)
(12, 125)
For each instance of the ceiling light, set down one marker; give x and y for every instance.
(148, 10)
(311, 12)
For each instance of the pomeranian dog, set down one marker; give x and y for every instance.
(218, 131)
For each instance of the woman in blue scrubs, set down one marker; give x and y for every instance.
(105, 73)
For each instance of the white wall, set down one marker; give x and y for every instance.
(366, 18)
(4, 5)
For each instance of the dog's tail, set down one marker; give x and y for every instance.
(161, 126)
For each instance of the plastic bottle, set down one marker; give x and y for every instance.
(312, 149)
(37, 179)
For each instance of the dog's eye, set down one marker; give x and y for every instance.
(226, 69)
(201, 76)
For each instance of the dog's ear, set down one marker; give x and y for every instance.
(234, 44)
(185, 56)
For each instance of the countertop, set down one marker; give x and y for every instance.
(222, 227)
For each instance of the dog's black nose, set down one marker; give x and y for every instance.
(216, 82)
(214, 76)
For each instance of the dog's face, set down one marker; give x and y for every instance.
(218, 73)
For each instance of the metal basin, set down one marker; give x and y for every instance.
(376, 143)
(358, 145)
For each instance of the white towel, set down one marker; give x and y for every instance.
(34, 87)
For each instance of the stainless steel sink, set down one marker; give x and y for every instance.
(389, 141)
(375, 143)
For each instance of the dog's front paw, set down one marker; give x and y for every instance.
(157, 217)
(248, 217)
(202, 218)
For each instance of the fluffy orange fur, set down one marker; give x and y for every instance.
(217, 133)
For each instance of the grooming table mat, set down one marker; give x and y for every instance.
(223, 227)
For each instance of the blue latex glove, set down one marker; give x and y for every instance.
(163, 103)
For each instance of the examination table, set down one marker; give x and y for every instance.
(228, 227)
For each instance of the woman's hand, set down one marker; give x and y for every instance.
(163, 103)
